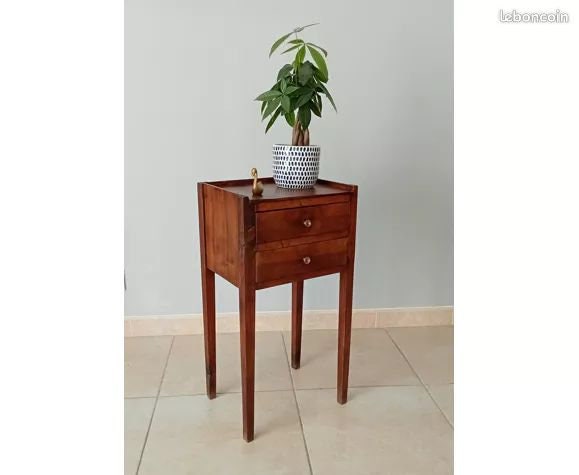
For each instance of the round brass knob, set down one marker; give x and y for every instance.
(307, 260)
(307, 223)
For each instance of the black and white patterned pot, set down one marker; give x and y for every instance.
(296, 166)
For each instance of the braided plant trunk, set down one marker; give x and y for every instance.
(299, 135)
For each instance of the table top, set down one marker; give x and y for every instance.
(272, 192)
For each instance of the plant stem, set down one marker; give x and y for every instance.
(295, 132)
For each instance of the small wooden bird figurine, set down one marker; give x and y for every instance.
(257, 188)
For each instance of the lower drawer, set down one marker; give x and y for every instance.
(296, 261)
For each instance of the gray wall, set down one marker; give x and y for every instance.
(192, 71)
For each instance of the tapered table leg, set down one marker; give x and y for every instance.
(208, 296)
(344, 332)
(247, 336)
(208, 290)
(297, 308)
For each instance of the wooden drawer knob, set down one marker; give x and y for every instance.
(307, 260)
(307, 223)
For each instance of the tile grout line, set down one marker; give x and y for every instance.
(420, 379)
(432, 397)
(155, 406)
(297, 405)
(286, 390)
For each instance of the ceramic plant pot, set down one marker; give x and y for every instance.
(296, 166)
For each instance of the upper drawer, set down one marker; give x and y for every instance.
(301, 222)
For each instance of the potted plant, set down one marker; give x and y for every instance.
(296, 95)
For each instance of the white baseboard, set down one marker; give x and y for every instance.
(192, 324)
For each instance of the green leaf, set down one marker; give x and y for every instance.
(296, 42)
(320, 48)
(284, 71)
(290, 49)
(290, 89)
(278, 43)
(285, 103)
(263, 104)
(319, 76)
(300, 28)
(267, 95)
(305, 116)
(283, 85)
(273, 119)
(320, 62)
(329, 96)
(304, 99)
(300, 56)
(290, 118)
(315, 107)
(318, 99)
(305, 73)
(303, 90)
(271, 105)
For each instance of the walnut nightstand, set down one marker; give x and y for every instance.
(280, 237)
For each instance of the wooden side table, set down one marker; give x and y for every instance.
(258, 242)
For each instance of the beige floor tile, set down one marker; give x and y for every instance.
(193, 435)
(429, 350)
(185, 373)
(137, 417)
(387, 430)
(374, 360)
(443, 394)
(145, 359)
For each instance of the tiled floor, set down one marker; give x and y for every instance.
(398, 419)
